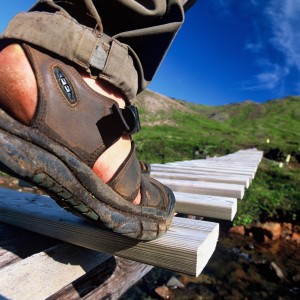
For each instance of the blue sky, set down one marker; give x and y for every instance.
(227, 51)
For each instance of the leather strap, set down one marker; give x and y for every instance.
(119, 121)
(127, 179)
(98, 54)
(72, 114)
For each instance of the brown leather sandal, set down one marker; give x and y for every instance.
(56, 153)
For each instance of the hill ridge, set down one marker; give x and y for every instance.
(171, 127)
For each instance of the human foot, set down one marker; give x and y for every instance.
(71, 127)
(19, 96)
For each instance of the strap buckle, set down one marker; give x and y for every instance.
(130, 118)
(120, 121)
(131, 115)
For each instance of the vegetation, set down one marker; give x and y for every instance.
(274, 195)
(173, 129)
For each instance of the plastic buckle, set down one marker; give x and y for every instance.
(131, 116)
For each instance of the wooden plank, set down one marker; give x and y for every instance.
(215, 165)
(115, 275)
(7, 258)
(223, 208)
(240, 157)
(155, 167)
(17, 244)
(241, 180)
(101, 283)
(186, 247)
(41, 275)
(230, 170)
(205, 188)
(242, 163)
(196, 172)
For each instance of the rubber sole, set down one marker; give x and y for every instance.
(29, 155)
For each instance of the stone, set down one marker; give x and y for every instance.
(174, 283)
(164, 292)
(296, 237)
(237, 230)
(249, 247)
(296, 277)
(267, 231)
(277, 270)
(287, 230)
(239, 274)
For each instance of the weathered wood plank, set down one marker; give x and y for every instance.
(199, 170)
(45, 273)
(241, 180)
(186, 247)
(17, 244)
(114, 275)
(219, 165)
(7, 258)
(223, 208)
(205, 188)
(242, 163)
(109, 280)
(196, 172)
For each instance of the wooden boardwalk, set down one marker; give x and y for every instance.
(84, 261)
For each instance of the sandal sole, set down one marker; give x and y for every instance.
(29, 155)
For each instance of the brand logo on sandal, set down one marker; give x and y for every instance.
(65, 85)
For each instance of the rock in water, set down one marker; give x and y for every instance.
(174, 283)
(277, 270)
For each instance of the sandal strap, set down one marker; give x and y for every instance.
(127, 179)
(74, 115)
(99, 54)
(121, 121)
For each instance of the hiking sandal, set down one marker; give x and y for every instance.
(56, 153)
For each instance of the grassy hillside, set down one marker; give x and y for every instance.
(173, 128)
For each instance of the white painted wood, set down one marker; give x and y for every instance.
(220, 171)
(216, 165)
(205, 188)
(242, 163)
(223, 208)
(241, 180)
(186, 247)
(196, 172)
(43, 274)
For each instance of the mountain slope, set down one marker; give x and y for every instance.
(172, 128)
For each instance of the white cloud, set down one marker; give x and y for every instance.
(270, 79)
(284, 19)
(275, 40)
(281, 32)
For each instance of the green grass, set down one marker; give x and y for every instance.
(218, 130)
(273, 195)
